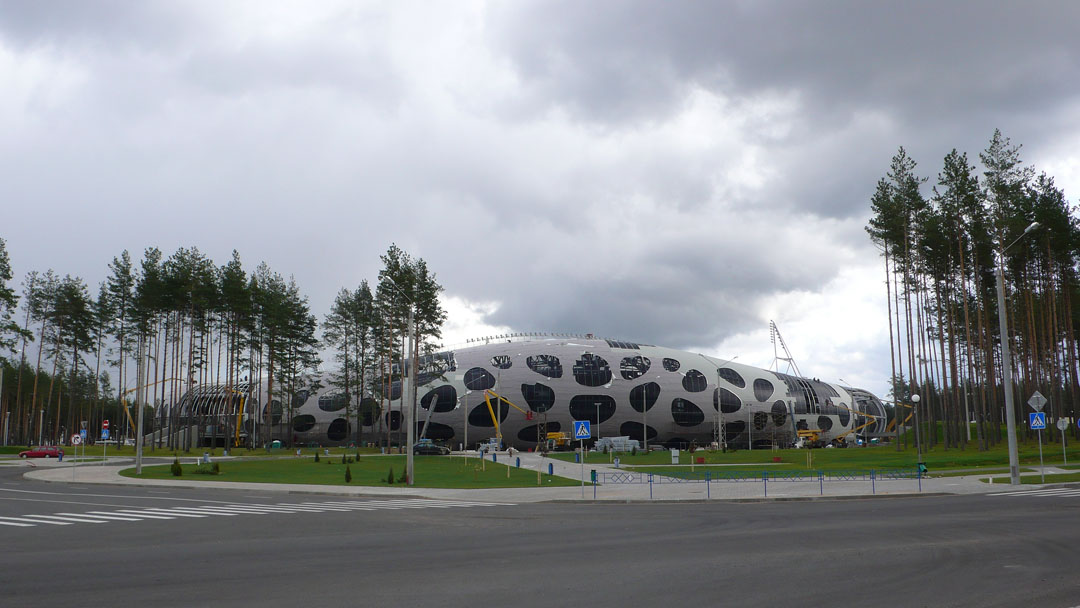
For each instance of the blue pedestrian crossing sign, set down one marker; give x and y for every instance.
(1037, 421)
(582, 429)
(104, 433)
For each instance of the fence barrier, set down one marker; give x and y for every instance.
(821, 477)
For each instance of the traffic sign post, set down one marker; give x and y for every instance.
(1063, 424)
(1037, 421)
(582, 431)
(104, 435)
(1037, 401)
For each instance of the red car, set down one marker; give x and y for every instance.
(42, 452)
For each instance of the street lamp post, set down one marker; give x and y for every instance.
(410, 428)
(1006, 361)
(918, 445)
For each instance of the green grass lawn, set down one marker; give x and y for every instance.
(937, 459)
(431, 472)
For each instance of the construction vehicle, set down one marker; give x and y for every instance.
(558, 441)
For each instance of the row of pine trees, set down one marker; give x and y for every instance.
(942, 248)
(161, 326)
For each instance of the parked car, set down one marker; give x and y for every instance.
(42, 452)
(428, 448)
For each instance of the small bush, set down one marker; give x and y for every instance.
(176, 469)
(207, 469)
(316, 457)
(343, 459)
(390, 476)
(348, 474)
(217, 469)
(633, 450)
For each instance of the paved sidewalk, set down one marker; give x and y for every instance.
(109, 473)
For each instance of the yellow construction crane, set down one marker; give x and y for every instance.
(488, 393)
(137, 388)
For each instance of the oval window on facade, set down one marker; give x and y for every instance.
(592, 370)
(779, 413)
(763, 389)
(694, 381)
(393, 420)
(501, 362)
(435, 431)
(633, 430)
(274, 408)
(643, 396)
(685, 413)
(445, 398)
(303, 423)
(545, 365)
(824, 423)
(480, 416)
(338, 430)
(369, 411)
(332, 402)
(300, 398)
(479, 379)
(732, 376)
(671, 365)
(588, 407)
(634, 367)
(845, 414)
(529, 433)
(733, 429)
(726, 401)
(539, 397)
(761, 420)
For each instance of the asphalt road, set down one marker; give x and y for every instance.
(119, 546)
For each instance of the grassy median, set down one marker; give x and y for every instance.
(431, 472)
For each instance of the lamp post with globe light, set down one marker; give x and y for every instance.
(918, 445)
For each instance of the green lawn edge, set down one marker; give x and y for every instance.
(372, 471)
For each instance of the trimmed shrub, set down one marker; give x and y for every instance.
(348, 474)
(176, 469)
(390, 476)
(343, 459)
(316, 457)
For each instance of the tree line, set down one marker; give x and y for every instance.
(942, 249)
(162, 326)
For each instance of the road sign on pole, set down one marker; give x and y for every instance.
(1037, 421)
(1063, 424)
(582, 429)
(1037, 401)
(104, 424)
(76, 439)
(104, 433)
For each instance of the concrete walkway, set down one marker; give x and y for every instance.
(660, 490)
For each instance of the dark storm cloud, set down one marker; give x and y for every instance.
(632, 60)
(938, 74)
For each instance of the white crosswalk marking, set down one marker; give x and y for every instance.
(143, 514)
(107, 515)
(1041, 492)
(77, 520)
(36, 521)
(15, 524)
(155, 511)
(129, 514)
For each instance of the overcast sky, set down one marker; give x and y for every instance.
(677, 173)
